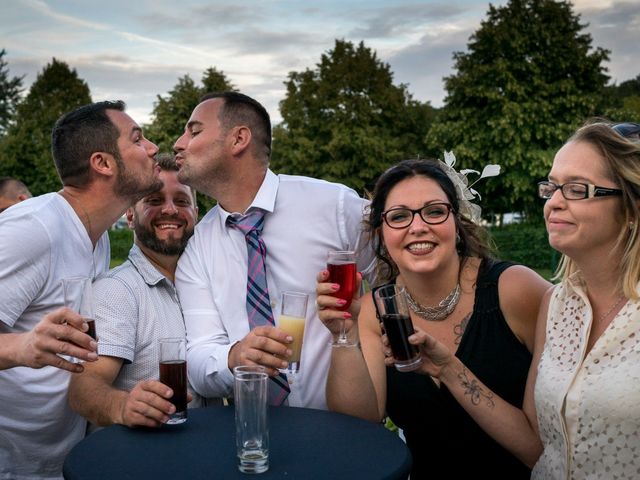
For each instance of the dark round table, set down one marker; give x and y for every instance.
(304, 444)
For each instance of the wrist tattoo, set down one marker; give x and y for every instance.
(471, 387)
(458, 330)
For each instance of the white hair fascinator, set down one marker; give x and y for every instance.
(463, 189)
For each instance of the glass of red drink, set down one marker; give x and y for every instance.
(173, 373)
(78, 296)
(342, 271)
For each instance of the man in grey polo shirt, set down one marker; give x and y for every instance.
(135, 305)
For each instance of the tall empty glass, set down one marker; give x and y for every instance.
(291, 320)
(250, 389)
(342, 270)
(78, 296)
(392, 309)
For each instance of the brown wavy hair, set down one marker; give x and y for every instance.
(473, 239)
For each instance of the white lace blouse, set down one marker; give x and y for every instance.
(588, 406)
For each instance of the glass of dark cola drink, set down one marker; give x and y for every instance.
(173, 373)
(393, 311)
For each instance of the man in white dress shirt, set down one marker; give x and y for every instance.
(105, 164)
(224, 152)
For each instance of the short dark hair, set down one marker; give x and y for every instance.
(80, 133)
(167, 163)
(240, 109)
(473, 241)
(12, 187)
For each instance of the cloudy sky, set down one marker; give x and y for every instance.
(136, 49)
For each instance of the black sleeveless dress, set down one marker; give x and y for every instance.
(444, 440)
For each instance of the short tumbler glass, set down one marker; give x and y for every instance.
(393, 311)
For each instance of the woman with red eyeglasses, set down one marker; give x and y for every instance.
(428, 241)
(581, 409)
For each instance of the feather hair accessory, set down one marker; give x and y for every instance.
(463, 189)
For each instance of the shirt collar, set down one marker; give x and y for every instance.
(265, 199)
(145, 268)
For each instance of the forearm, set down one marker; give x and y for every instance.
(350, 389)
(97, 401)
(9, 350)
(506, 424)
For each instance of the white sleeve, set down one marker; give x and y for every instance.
(25, 261)
(207, 339)
(352, 210)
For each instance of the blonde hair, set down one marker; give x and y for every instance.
(622, 161)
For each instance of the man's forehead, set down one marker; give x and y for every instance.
(206, 111)
(122, 121)
(170, 182)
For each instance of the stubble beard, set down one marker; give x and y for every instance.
(132, 188)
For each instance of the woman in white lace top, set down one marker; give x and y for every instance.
(587, 392)
(581, 413)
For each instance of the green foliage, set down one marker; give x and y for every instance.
(121, 242)
(616, 94)
(10, 89)
(346, 121)
(25, 152)
(526, 244)
(622, 102)
(171, 113)
(529, 78)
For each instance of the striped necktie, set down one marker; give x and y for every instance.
(258, 304)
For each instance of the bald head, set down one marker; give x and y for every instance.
(12, 191)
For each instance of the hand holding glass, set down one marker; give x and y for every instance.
(173, 373)
(291, 320)
(393, 310)
(342, 270)
(78, 296)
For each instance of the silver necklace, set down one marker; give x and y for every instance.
(604, 317)
(438, 312)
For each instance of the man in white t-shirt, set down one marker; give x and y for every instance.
(105, 164)
(135, 305)
(225, 153)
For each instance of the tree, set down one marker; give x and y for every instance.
(528, 79)
(25, 152)
(346, 121)
(170, 114)
(623, 101)
(10, 89)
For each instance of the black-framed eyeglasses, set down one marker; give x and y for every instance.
(627, 129)
(575, 190)
(433, 214)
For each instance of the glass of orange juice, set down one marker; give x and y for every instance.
(292, 320)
